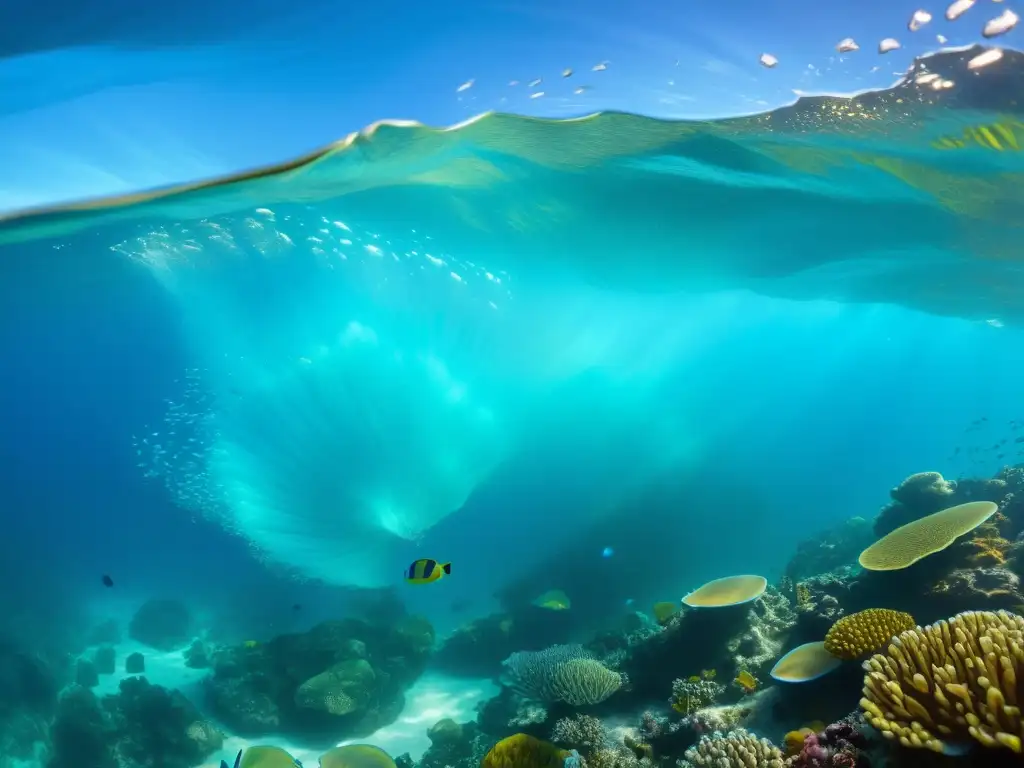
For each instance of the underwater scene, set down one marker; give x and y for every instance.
(519, 436)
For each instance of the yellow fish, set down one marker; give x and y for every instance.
(263, 757)
(356, 756)
(1001, 136)
(251, 643)
(553, 600)
(426, 571)
(746, 681)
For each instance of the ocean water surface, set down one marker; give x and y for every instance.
(613, 354)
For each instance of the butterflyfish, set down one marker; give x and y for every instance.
(356, 756)
(553, 600)
(426, 571)
(263, 757)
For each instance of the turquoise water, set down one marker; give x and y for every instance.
(500, 342)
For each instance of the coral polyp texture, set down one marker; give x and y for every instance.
(581, 682)
(866, 632)
(731, 590)
(951, 684)
(916, 540)
(736, 749)
(521, 750)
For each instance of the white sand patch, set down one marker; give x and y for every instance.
(163, 668)
(432, 698)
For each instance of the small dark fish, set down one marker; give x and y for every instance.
(296, 607)
(107, 581)
(1019, 440)
(238, 759)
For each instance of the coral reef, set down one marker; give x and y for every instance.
(840, 745)
(455, 745)
(143, 725)
(735, 749)
(524, 751)
(829, 550)
(951, 683)
(695, 692)
(864, 632)
(561, 673)
(580, 732)
(341, 679)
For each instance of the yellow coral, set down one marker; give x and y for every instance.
(523, 751)
(664, 612)
(794, 741)
(989, 551)
(865, 632)
(639, 748)
(926, 536)
(951, 683)
(803, 595)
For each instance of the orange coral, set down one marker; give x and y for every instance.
(988, 544)
(523, 751)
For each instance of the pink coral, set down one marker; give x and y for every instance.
(840, 745)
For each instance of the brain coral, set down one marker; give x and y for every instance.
(340, 690)
(523, 751)
(916, 540)
(865, 632)
(736, 749)
(953, 683)
(580, 682)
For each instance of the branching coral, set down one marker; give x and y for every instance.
(529, 672)
(582, 732)
(954, 682)
(581, 682)
(619, 756)
(695, 693)
(769, 621)
(736, 749)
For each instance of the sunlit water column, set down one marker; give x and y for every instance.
(344, 377)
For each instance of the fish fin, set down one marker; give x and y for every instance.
(223, 764)
(238, 758)
(447, 568)
(955, 749)
(298, 762)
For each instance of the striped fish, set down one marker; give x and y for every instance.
(1002, 136)
(425, 571)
